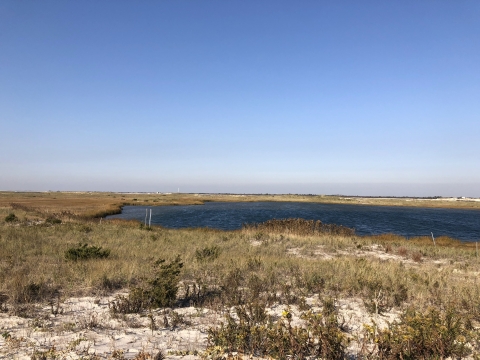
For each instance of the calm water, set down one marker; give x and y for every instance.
(367, 220)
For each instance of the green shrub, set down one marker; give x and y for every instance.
(429, 335)
(11, 218)
(158, 291)
(85, 252)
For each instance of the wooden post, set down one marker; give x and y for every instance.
(434, 244)
(150, 219)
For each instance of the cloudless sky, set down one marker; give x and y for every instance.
(351, 97)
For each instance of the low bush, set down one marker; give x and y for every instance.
(85, 252)
(158, 291)
(257, 334)
(432, 334)
(11, 218)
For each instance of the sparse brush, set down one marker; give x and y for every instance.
(257, 334)
(432, 334)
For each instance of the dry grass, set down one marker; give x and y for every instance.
(35, 254)
(224, 268)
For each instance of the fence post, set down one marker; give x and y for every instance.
(434, 244)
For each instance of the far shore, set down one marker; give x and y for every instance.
(99, 204)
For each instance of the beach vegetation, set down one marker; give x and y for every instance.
(293, 264)
(11, 218)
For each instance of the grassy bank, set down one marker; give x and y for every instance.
(48, 255)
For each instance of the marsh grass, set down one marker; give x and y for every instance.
(299, 227)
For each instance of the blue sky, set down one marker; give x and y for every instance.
(326, 97)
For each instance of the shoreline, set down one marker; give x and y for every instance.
(90, 205)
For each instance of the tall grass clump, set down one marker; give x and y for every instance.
(299, 227)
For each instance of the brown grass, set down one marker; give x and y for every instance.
(299, 227)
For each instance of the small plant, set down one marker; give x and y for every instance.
(158, 291)
(118, 355)
(52, 220)
(417, 256)
(85, 252)
(152, 322)
(160, 356)
(50, 353)
(90, 321)
(178, 319)
(3, 302)
(402, 251)
(207, 253)
(11, 218)
(109, 284)
(143, 355)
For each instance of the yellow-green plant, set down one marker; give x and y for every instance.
(432, 334)
(257, 334)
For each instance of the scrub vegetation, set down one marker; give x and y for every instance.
(241, 274)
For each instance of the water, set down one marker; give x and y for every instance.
(366, 220)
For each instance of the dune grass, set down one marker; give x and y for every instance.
(255, 265)
(35, 254)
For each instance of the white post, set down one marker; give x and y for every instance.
(433, 240)
(146, 214)
(150, 220)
